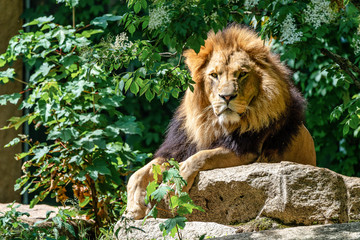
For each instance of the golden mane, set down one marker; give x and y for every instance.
(200, 123)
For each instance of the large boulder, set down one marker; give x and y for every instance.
(289, 192)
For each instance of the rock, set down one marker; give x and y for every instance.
(345, 231)
(193, 230)
(259, 224)
(37, 213)
(136, 230)
(275, 195)
(292, 193)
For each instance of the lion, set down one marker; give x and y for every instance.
(243, 109)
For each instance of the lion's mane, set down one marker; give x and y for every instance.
(272, 120)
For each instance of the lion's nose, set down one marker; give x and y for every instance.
(228, 98)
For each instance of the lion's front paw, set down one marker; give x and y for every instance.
(188, 172)
(136, 212)
(136, 191)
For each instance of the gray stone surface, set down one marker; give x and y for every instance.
(292, 193)
(345, 231)
(150, 230)
(37, 213)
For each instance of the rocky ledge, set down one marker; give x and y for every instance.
(292, 194)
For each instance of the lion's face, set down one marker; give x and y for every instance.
(231, 84)
(239, 85)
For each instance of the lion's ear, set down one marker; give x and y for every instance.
(192, 60)
(195, 61)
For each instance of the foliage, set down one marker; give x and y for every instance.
(76, 91)
(76, 100)
(85, 83)
(170, 188)
(56, 227)
(11, 226)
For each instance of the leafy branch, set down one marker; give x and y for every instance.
(344, 64)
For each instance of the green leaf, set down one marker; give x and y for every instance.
(103, 169)
(137, 7)
(187, 208)
(69, 60)
(34, 201)
(40, 21)
(40, 152)
(156, 169)
(67, 134)
(153, 213)
(166, 39)
(174, 200)
(134, 88)
(170, 174)
(85, 202)
(43, 43)
(70, 3)
(171, 223)
(70, 228)
(151, 187)
(149, 95)
(128, 84)
(346, 129)
(13, 142)
(102, 21)
(58, 221)
(45, 68)
(144, 4)
(144, 89)
(175, 92)
(354, 121)
(77, 159)
(142, 72)
(6, 75)
(2, 61)
(99, 167)
(16, 122)
(22, 155)
(132, 29)
(11, 98)
(128, 125)
(94, 174)
(145, 24)
(60, 35)
(160, 193)
(89, 33)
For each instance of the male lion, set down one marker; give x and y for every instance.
(243, 109)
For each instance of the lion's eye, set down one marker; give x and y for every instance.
(214, 75)
(243, 75)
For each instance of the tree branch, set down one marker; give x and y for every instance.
(168, 54)
(344, 64)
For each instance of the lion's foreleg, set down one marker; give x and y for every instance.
(211, 159)
(136, 190)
